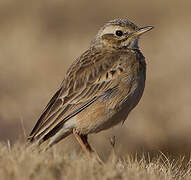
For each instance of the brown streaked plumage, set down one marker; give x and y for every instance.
(100, 88)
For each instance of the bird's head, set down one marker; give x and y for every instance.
(119, 33)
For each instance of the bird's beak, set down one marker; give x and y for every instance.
(141, 31)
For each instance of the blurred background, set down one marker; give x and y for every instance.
(40, 39)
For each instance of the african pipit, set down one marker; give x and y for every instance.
(99, 89)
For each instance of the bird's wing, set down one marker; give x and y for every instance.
(89, 78)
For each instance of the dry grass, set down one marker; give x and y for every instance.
(38, 42)
(20, 163)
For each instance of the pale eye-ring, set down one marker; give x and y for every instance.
(119, 33)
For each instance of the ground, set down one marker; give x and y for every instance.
(20, 162)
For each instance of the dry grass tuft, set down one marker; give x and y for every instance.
(18, 162)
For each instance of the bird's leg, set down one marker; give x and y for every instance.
(83, 141)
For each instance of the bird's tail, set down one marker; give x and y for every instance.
(55, 138)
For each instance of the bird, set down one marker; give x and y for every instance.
(99, 89)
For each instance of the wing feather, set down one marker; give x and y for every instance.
(87, 79)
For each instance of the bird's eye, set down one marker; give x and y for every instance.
(119, 33)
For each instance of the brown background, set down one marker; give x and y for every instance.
(40, 39)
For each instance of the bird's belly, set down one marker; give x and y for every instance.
(99, 117)
(94, 118)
